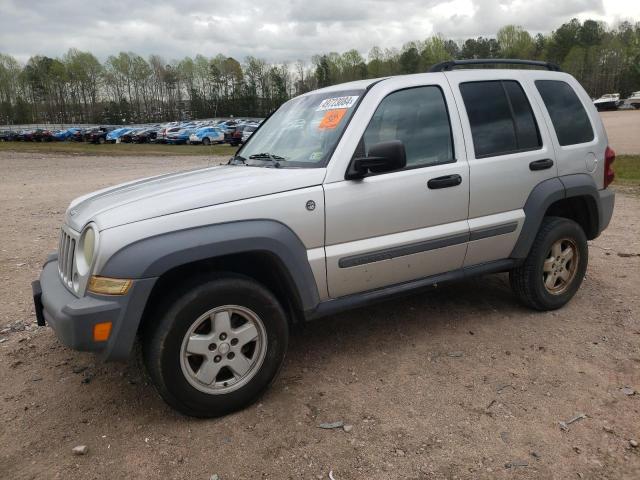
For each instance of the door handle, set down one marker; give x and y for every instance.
(541, 164)
(444, 182)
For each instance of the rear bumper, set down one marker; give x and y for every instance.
(605, 212)
(73, 319)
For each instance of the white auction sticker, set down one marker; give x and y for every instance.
(337, 102)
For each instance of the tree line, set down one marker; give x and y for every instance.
(128, 88)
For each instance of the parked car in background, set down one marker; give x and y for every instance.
(207, 136)
(127, 137)
(634, 100)
(86, 134)
(228, 126)
(179, 137)
(7, 136)
(146, 135)
(608, 101)
(164, 133)
(234, 136)
(62, 135)
(114, 135)
(247, 132)
(76, 136)
(99, 135)
(35, 135)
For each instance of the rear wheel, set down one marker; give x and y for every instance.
(206, 141)
(554, 269)
(216, 346)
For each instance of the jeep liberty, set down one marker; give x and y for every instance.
(344, 196)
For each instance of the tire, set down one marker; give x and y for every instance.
(182, 379)
(550, 275)
(206, 142)
(101, 140)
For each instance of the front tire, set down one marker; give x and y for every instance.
(555, 267)
(206, 142)
(216, 346)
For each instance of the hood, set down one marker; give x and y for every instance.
(177, 192)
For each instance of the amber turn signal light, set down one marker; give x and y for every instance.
(109, 286)
(101, 331)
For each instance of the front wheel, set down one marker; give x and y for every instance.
(206, 142)
(555, 267)
(216, 346)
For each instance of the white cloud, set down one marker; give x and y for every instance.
(277, 30)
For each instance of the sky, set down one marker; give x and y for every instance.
(275, 30)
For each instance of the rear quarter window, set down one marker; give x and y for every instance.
(569, 118)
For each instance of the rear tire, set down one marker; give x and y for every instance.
(197, 354)
(555, 267)
(206, 142)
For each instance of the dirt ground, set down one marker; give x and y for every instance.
(623, 130)
(459, 382)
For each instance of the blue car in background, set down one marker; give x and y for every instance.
(179, 137)
(228, 127)
(62, 135)
(207, 136)
(114, 135)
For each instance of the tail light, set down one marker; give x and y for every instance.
(609, 174)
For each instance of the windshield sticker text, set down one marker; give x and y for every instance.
(337, 102)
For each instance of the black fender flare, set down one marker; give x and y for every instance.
(156, 255)
(544, 195)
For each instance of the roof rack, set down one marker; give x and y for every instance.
(451, 64)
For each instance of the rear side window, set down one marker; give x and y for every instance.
(419, 118)
(501, 118)
(569, 118)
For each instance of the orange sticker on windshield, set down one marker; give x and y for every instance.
(332, 118)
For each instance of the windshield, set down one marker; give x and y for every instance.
(304, 131)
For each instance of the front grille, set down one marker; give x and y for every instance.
(66, 252)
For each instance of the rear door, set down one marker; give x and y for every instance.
(510, 152)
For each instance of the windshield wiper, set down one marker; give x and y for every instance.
(268, 156)
(237, 160)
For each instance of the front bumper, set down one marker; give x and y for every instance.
(73, 319)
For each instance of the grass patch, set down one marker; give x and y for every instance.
(113, 150)
(627, 168)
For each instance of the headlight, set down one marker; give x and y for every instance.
(86, 250)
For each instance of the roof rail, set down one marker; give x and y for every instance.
(451, 64)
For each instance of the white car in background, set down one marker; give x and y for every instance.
(608, 101)
(634, 100)
(247, 132)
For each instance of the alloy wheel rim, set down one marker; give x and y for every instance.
(560, 266)
(223, 349)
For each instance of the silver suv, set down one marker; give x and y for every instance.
(345, 196)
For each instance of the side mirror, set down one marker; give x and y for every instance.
(383, 157)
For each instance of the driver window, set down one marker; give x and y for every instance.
(418, 117)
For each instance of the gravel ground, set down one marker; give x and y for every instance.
(459, 382)
(623, 130)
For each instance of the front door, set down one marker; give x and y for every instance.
(399, 226)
